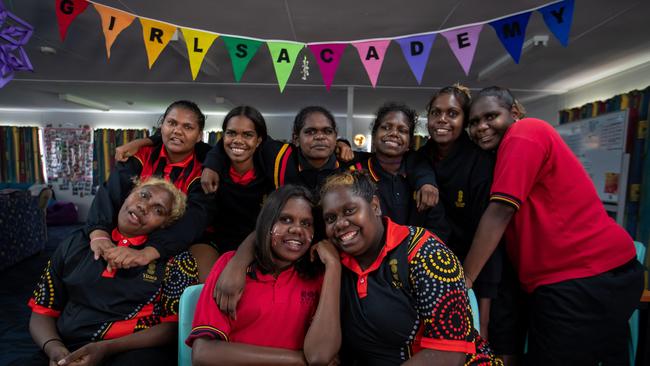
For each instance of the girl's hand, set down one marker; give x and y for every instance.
(209, 180)
(124, 152)
(326, 252)
(88, 355)
(343, 152)
(123, 257)
(426, 197)
(229, 288)
(55, 352)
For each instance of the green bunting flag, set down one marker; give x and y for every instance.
(241, 51)
(284, 55)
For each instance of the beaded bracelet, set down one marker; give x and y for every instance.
(50, 340)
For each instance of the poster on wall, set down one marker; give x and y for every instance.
(69, 159)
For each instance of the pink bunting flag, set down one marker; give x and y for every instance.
(463, 43)
(328, 57)
(372, 56)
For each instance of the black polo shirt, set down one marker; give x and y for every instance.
(185, 231)
(397, 192)
(91, 307)
(464, 179)
(411, 298)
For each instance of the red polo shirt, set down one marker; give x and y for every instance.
(560, 230)
(272, 312)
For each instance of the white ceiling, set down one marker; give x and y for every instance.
(605, 36)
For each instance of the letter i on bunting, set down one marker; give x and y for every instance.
(328, 57)
(284, 56)
(113, 23)
(198, 43)
(66, 12)
(156, 36)
(512, 31)
(463, 44)
(416, 50)
(558, 18)
(372, 56)
(241, 51)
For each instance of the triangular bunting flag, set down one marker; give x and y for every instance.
(284, 56)
(372, 56)
(66, 11)
(558, 18)
(156, 36)
(328, 57)
(416, 50)
(463, 44)
(198, 43)
(512, 31)
(241, 51)
(113, 23)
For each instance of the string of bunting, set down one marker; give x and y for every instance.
(510, 29)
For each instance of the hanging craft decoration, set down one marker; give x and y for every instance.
(463, 39)
(14, 34)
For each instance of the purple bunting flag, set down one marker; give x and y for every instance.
(463, 44)
(416, 50)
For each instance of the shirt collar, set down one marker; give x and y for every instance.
(394, 235)
(182, 164)
(241, 179)
(377, 171)
(303, 163)
(124, 241)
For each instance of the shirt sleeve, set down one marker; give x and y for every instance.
(519, 161)
(419, 171)
(111, 195)
(442, 304)
(180, 273)
(209, 322)
(50, 295)
(178, 236)
(216, 158)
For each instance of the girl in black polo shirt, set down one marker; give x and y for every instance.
(81, 312)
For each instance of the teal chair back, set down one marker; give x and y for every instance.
(634, 319)
(473, 303)
(186, 308)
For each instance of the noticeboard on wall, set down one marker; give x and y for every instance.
(599, 143)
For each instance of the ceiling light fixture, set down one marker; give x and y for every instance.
(84, 102)
(534, 43)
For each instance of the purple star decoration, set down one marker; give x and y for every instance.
(14, 34)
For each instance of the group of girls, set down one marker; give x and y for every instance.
(351, 260)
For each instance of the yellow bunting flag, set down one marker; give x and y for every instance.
(113, 23)
(156, 36)
(198, 43)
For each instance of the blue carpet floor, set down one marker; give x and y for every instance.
(16, 285)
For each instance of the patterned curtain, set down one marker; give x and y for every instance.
(68, 158)
(214, 136)
(21, 155)
(105, 142)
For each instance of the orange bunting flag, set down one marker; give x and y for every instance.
(156, 37)
(198, 43)
(113, 23)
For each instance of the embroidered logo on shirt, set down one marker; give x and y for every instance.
(397, 283)
(150, 275)
(308, 297)
(459, 201)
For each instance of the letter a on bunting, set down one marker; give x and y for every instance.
(372, 56)
(284, 56)
(156, 36)
(113, 23)
(198, 43)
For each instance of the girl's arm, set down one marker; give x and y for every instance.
(323, 338)
(230, 284)
(217, 352)
(93, 353)
(122, 153)
(47, 338)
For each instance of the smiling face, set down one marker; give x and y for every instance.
(392, 136)
(488, 122)
(316, 139)
(240, 139)
(352, 223)
(445, 119)
(180, 131)
(292, 233)
(146, 209)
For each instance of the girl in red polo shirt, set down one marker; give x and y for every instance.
(288, 313)
(576, 263)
